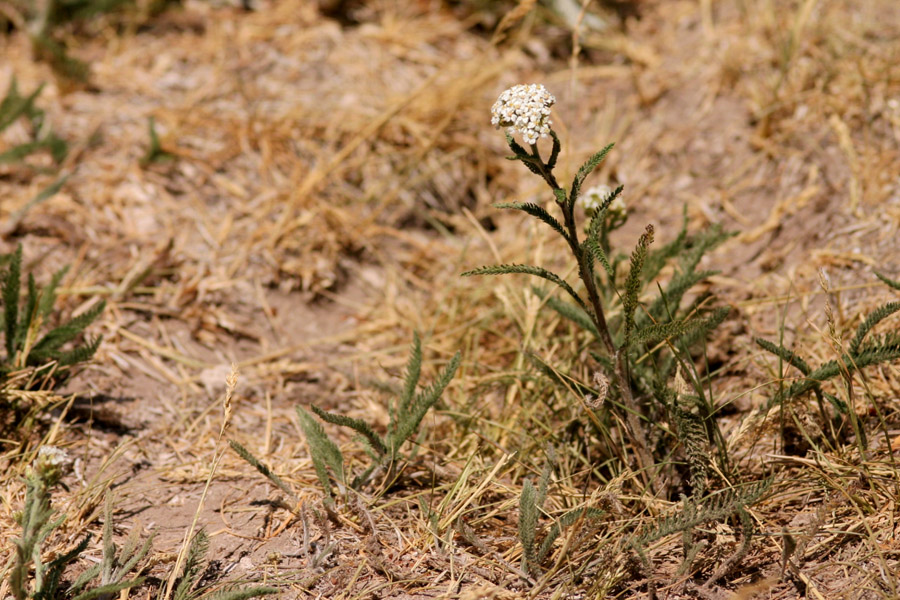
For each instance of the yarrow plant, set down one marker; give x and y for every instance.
(648, 387)
(636, 346)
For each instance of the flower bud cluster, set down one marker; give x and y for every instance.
(593, 198)
(524, 109)
(51, 464)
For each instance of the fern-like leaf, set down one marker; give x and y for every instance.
(67, 332)
(107, 591)
(262, 468)
(672, 329)
(14, 105)
(409, 422)
(875, 317)
(528, 270)
(9, 287)
(784, 354)
(410, 381)
(596, 253)
(322, 450)
(528, 522)
(714, 508)
(193, 566)
(633, 283)
(357, 425)
(888, 281)
(76, 355)
(554, 153)
(243, 594)
(586, 170)
(537, 211)
(692, 434)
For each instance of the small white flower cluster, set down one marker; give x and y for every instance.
(593, 198)
(524, 109)
(52, 463)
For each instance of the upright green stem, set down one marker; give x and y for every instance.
(633, 412)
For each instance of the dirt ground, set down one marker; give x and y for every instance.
(332, 173)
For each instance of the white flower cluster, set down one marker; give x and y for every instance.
(593, 198)
(52, 463)
(524, 109)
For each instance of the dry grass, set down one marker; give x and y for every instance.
(330, 183)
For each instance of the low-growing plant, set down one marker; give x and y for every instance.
(187, 585)
(39, 354)
(15, 106)
(31, 578)
(636, 344)
(864, 349)
(405, 416)
(644, 348)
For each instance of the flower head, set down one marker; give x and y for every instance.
(51, 464)
(524, 109)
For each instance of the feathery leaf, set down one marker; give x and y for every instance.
(528, 270)
(586, 170)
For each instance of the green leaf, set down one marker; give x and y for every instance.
(633, 283)
(108, 589)
(671, 329)
(262, 468)
(528, 270)
(243, 594)
(9, 286)
(357, 425)
(155, 152)
(14, 106)
(410, 420)
(596, 254)
(586, 170)
(536, 211)
(878, 315)
(890, 282)
(54, 339)
(784, 354)
(193, 565)
(322, 450)
(17, 153)
(598, 219)
(410, 381)
(528, 522)
(554, 154)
